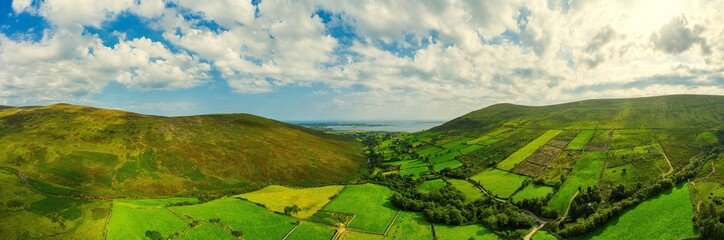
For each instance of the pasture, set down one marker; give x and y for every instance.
(498, 182)
(585, 173)
(473, 231)
(410, 225)
(130, 218)
(309, 200)
(253, 221)
(489, 135)
(666, 216)
(431, 185)
(582, 138)
(523, 153)
(310, 230)
(449, 164)
(470, 191)
(207, 231)
(532, 191)
(543, 235)
(369, 202)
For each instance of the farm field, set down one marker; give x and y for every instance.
(352, 235)
(470, 191)
(449, 164)
(309, 200)
(129, 219)
(489, 135)
(410, 225)
(412, 167)
(253, 221)
(371, 203)
(470, 148)
(579, 142)
(585, 173)
(207, 231)
(532, 191)
(473, 231)
(431, 185)
(523, 153)
(560, 166)
(310, 230)
(667, 216)
(499, 182)
(543, 235)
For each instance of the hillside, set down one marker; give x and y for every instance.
(672, 112)
(75, 149)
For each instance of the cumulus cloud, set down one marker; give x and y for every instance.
(676, 37)
(421, 58)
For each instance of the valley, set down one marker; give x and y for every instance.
(596, 169)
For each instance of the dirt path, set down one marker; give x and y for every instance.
(533, 231)
(565, 214)
(671, 167)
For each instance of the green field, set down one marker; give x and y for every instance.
(431, 185)
(207, 231)
(499, 182)
(580, 141)
(129, 219)
(470, 148)
(310, 200)
(253, 221)
(411, 167)
(666, 216)
(370, 203)
(532, 191)
(470, 191)
(449, 164)
(309, 230)
(474, 231)
(543, 235)
(585, 173)
(488, 135)
(523, 153)
(410, 225)
(429, 150)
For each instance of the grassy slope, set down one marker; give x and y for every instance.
(585, 174)
(500, 182)
(523, 153)
(102, 151)
(674, 111)
(667, 216)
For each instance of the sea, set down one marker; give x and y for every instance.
(389, 126)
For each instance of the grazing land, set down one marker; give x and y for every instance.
(474, 231)
(667, 215)
(370, 203)
(579, 142)
(500, 183)
(309, 200)
(130, 218)
(432, 185)
(532, 191)
(310, 230)
(470, 191)
(584, 174)
(410, 225)
(523, 153)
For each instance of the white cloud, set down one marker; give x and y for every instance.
(474, 53)
(20, 5)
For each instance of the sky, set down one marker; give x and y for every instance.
(353, 60)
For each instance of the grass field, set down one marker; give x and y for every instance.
(523, 153)
(411, 167)
(431, 185)
(449, 164)
(543, 235)
(253, 221)
(474, 231)
(470, 148)
(532, 191)
(499, 182)
(470, 191)
(207, 231)
(667, 216)
(488, 135)
(310, 230)
(429, 150)
(410, 225)
(130, 218)
(580, 141)
(371, 203)
(585, 173)
(310, 200)
(351, 235)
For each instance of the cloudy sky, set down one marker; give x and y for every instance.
(337, 60)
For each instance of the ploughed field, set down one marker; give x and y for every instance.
(595, 169)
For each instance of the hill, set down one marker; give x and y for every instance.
(75, 149)
(671, 112)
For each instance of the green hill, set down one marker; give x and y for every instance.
(75, 149)
(674, 111)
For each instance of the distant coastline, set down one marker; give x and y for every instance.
(387, 126)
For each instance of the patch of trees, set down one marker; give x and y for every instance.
(292, 210)
(585, 203)
(539, 206)
(447, 205)
(710, 222)
(608, 210)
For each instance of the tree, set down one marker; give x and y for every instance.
(236, 234)
(292, 210)
(154, 235)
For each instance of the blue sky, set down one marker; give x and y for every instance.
(353, 60)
